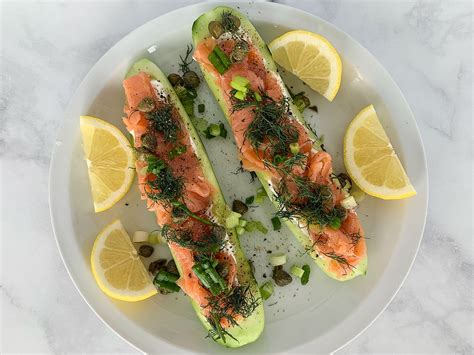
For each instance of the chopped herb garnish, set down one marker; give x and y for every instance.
(276, 223)
(211, 242)
(162, 121)
(201, 108)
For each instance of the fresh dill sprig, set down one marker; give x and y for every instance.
(341, 260)
(312, 203)
(186, 62)
(237, 301)
(269, 127)
(162, 121)
(211, 242)
(166, 187)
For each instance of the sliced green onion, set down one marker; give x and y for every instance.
(201, 108)
(278, 159)
(253, 226)
(166, 276)
(214, 130)
(232, 220)
(223, 132)
(240, 95)
(335, 223)
(266, 290)
(257, 96)
(217, 63)
(276, 223)
(240, 230)
(242, 222)
(154, 237)
(305, 277)
(278, 259)
(294, 148)
(140, 237)
(239, 87)
(173, 153)
(240, 80)
(170, 286)
(297, 271)
(249, 200)
(349, 203)
(223, 57)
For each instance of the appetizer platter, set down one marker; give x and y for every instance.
(250, 172)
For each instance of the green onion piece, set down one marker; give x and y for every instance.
(239, 87)
(240, 80)
(154, 237)
(170, 286)
(217, 63)
(240, 95)
(214, 130)
(240, 230)
(242, 222)
(202, 275)
(173, 153)
(253, 226)
(297, 271)
(335, 223)
(201, 108)
(278, 259)
(294, 148)
(223, 133)
(276, 223)
(166, 276)
(266, 290)
(232, 220)
(305, 277)
(249, 200)
(257, 96)
(278, 159)
(223, 57)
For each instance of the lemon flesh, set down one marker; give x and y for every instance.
(371, 160)
(117, 268)
(311, 58)
(109, 160)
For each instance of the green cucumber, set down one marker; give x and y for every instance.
(249, 328)
(200, 32)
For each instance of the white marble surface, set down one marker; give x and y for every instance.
(47, 48)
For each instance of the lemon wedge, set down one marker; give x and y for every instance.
(109, 161)
(117, 268)
(311, 58)
(371, 160)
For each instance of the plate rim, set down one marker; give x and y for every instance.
(243, 5)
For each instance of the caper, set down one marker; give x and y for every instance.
(175, 79)
(239, 52)
(149, 141)
(281, 277)
(230, 22)
(146, 105)
(171, 267)
(191, 80)
(223, 269)
(239, 207)
(215, 29)
(145, 250)
(156, 266)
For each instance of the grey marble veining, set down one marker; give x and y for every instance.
(47, 48)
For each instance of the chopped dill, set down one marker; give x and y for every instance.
(269, 127)
(162, 121)
(186, 62)
(165, 187)
(238, 300)
(312, 203)
(341, 260)
(209, 243)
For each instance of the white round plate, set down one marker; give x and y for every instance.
(323, 315)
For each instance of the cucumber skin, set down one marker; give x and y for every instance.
(200, 32)
(251, 327)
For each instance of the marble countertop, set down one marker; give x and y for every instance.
(47, 50)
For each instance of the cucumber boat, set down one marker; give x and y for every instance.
(178, 183)
(276, 143)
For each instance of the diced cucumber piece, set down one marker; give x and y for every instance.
(266, 290)
(232, 220)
